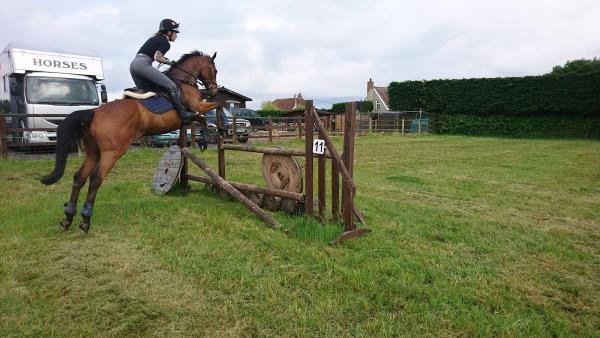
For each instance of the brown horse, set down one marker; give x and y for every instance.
(107, 131)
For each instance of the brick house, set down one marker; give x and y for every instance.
(289, 104)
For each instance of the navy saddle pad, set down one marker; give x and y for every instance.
(157, 104)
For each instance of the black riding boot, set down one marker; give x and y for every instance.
(175, 95)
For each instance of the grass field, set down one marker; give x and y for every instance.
(471, 236)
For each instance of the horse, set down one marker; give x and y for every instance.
(107, 132)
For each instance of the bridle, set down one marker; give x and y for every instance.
(195, 80)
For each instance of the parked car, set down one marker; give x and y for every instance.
(162, 140)
(243, 126)
(251, 115)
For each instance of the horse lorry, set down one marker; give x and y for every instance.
(38, 82)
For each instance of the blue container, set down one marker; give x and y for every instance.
(414, 125)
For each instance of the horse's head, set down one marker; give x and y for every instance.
(201, 67)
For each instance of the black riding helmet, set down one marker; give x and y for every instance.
(167, 25)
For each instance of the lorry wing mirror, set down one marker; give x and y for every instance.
(15, 88)
(103, 94)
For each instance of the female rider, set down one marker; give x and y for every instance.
(154, 49)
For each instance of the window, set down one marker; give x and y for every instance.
(377, 105)
(54, 90)
(4, 81)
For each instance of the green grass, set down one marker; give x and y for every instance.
(471, 236)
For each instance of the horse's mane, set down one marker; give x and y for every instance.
(189, 55)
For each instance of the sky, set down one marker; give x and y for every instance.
(326, 50)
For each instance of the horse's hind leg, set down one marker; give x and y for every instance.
(107, 161)
(91, 159)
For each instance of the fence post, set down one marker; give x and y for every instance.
(270, 130)
(321, 180)
(299, 126)
(347, 193)
(193, 128)
(182, 142)
(402, 127)
(3, 136)
(234, 129)
(420, 112)
(308, 165)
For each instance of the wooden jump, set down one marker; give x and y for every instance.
(341, 166)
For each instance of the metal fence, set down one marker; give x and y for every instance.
(404, 122)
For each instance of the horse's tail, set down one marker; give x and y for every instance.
(68, 131)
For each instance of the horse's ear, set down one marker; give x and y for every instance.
(214, 56)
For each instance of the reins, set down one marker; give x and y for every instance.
(195, 80)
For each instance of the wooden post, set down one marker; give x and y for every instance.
(370, 124)
(321, 181)
(182, 142)
(402, 127)
(233, 191)
(221, 156)
(3, 138)
(270, 130)
(347, 193)
(194, 145)
(335, 191)
(299, 124)
(234, 129)
(308, 156)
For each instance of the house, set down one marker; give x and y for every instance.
(228, 98)
(297, 102)
(379, 97)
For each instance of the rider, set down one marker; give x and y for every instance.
(154, 49)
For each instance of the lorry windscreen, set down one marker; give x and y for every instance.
(61, 91)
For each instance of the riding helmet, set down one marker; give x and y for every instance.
(167, 25)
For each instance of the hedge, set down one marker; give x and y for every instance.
(525, 96)
(550, 105)
(521, 126)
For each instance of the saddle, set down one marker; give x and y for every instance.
(154, 102)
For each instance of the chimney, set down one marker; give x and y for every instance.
(370, 85)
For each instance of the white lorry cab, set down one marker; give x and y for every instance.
(37, 82)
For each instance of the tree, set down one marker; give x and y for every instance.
(580, 66)
(366, 106)
(268, 106)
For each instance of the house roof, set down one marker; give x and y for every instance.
(223, 90)
(289, 103)
(383, 94)
(231, 92)
(285, 104)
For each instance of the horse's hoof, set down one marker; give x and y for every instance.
(65, 224)
(85, 227)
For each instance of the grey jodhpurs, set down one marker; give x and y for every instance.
(142, 72)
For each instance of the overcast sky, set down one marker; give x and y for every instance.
(325, 49)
